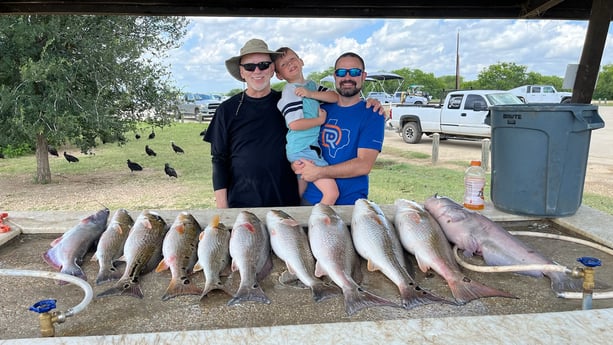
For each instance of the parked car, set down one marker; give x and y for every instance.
(200, 105)
(382, 97)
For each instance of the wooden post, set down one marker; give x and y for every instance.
(485, 154)
(595, 38)
(436, 139)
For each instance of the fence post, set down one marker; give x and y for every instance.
(436, 138)
(485, 153)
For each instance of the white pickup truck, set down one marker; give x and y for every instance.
(461, 115)
(541, 94)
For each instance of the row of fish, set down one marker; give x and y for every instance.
(329, 248)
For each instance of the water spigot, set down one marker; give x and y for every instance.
(588, 279)
(47, 317)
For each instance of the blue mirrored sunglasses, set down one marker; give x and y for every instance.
(262, 66)
(354, 72)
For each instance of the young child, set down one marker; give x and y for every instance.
(299, 105)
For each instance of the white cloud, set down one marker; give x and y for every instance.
(546, 47)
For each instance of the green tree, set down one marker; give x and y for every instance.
(604, 86)
(81, 78)
(502, 76)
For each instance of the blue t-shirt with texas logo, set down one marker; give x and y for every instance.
(346, 129)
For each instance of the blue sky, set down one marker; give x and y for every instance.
(546, 47)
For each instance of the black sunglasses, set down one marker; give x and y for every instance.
(354, 72)
(261, 65)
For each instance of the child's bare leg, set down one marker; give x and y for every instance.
(302, 184)
(329, 189)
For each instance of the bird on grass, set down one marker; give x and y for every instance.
(70, 158)
(137, 136)
(176, 148)
(170, 171)
(134, 166)
(149, 151)
(152, 134)
(52, 150)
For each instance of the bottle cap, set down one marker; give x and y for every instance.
(475, 163)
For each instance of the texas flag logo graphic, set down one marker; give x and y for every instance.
(333, 138)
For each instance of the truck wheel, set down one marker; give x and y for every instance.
(566, 100)
(411, 133)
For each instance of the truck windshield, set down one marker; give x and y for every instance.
(503, 98)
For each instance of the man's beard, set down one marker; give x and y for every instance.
(348, 92)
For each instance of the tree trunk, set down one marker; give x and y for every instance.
(43, 172)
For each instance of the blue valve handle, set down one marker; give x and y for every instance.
(589, 261)
(43, 306)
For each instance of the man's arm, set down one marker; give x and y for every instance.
(361, 165)
(221, 198)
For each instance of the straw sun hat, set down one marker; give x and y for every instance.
(252, 46)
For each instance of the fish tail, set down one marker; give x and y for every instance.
(214, 285)
(466, 290)
(561, 282)
(72, 270)
(416, 296)
(125, 287)
(182, 286)
(322, 291)
(357, 299)
(107, 275)
(249, 293)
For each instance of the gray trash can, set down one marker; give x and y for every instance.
(539, 157)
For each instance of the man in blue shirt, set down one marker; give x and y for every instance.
(350, 139)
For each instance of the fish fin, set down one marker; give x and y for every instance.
(356, 270)
(319, 271)
(371, 266)
(197, 268)
(51, 260)
(357, 298)
(180, 228)
(561, 282)
(201, 235)
(124, 288)
(94, 257)
(466, 290)
(182, 286)
(266, 269)
(252, 293)
(289, 279)
(56, 241)
(214, 221)
(234, 266)
(423, 266)
(290, 222)
(162, 266)
(322, 291)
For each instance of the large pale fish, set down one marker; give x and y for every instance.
(142, 252)
(475, 233)
(375, 239)
(180, 251)
(333, 249)
(291, 244)
(68, 250)
(110, 246)
(421, 235)
(213, 255)
(250, 251)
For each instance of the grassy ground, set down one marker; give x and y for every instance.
(105, 175)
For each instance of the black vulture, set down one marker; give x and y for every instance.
(176, 148)
(152, 134)
(137, 136)
(149, 151)
(70, 158)
(134, 166)
(52, 150)
(170, 171)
